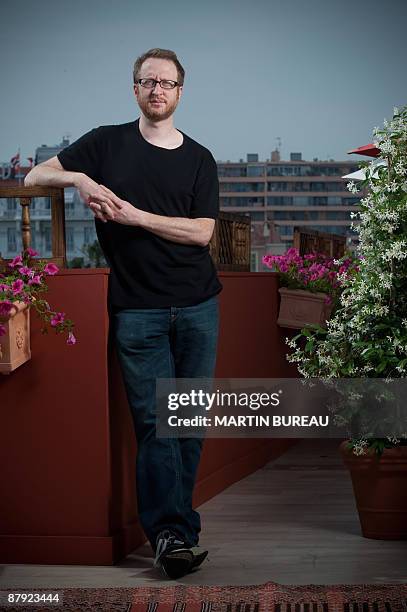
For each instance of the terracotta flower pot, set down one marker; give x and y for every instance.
(299, 308)
(15, 344)
(379, 485)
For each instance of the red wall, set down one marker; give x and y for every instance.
(67, 446)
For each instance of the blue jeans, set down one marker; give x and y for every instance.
(165, 343)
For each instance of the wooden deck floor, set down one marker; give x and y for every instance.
(292, 522)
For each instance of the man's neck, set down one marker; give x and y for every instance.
(157, 131)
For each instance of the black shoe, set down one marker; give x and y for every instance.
(173, 556)
(199, 556)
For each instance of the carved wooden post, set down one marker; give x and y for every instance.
(25, 222)
(25, 195)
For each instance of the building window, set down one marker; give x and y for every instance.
(70, 239)
(279, 215)
(255, 171)
(322, 201)
(334, 201)
(89, 235)
(48, 240)
(225, 187)
(301, 201)
(232, 171)
(240, 202)
(254, 262)
(11, 239)
(350, 201)
(285, 230)
(279, 201)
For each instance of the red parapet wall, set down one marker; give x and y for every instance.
(67, 445)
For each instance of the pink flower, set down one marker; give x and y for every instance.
(4, 287)
(57, 319)
(17, 286)
(71, 339)
(2, 329)
(35, 280)
(51, 269)
(31, 252)
(5, 308)
(26, 271)
(17, 261)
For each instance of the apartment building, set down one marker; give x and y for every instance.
(280, 195)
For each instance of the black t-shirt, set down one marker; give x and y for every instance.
(148, 271)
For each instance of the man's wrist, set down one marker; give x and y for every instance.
(140, 218)
(77, 177)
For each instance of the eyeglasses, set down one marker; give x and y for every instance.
(151, 83)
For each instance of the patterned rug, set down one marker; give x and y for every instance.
(269, 597)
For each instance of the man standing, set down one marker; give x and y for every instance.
(155, 195)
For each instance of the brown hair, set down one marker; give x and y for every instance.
(161, 54)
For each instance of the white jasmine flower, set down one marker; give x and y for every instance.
(352, 187)
(387, 147)
(400, 169)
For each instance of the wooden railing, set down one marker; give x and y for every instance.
(25, 195)
(230, 243)
(307, 241)
(229, 246)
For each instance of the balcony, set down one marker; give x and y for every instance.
(68, 451)
(67, 408)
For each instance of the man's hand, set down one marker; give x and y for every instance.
(108, 204)
(176, 229)
(98, 198)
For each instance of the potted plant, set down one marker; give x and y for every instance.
(311, 285)
(22, 282)
(367, 336)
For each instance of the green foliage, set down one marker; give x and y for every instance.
(367, 336)
(94, 255)
(76, 262)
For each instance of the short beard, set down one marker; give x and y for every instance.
(157, 115)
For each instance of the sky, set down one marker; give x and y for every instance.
(319, 74)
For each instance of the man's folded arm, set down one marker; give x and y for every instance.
(178, 229)
(51, 173)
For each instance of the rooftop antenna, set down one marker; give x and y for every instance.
(278, 140)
